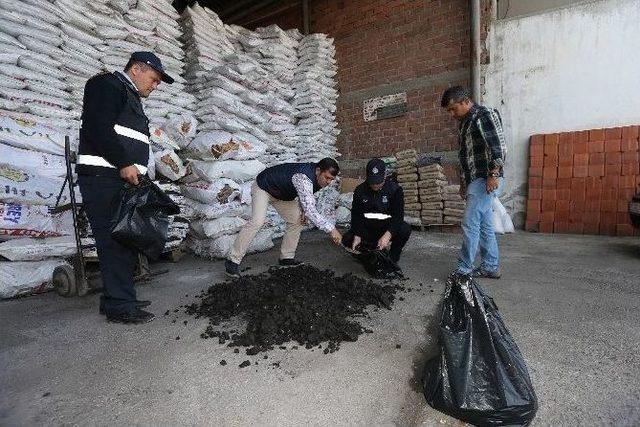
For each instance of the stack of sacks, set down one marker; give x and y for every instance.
(218, 212)
(167, 138)
(50, 49)
(232, 87)
(453, 205)
(205, 43)
(106, 33)
(216, 192)
(275, 51)
(163, 40)
(315, 98)
(343, 209)
(178, 224)
(32, 63)
(327, 200)
(408, 179)
(32, 170)
(430, 189)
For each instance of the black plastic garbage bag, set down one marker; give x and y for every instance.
(378, 263)
(141, 219)
(479, 375)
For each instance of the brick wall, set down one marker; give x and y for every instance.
(286, 14)
(582, 182)
(385, 47)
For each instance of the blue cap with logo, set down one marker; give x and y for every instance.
(154, 62)
(376, 170)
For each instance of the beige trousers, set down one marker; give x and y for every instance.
(288, 210)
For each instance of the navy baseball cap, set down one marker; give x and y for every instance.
(154, 62)
(376, 169)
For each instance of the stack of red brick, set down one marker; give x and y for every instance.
(581, 182)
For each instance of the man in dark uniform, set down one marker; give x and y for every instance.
(114, 149)
(377, 213)
(289, 187)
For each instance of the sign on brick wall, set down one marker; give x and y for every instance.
(385, 107)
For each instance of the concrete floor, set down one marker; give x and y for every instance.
(571, 303)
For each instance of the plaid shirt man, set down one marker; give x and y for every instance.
(482, 144)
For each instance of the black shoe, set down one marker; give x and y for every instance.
(231, 269)
(481, 272)
(135, 317)
(139, 304)
(289, 262)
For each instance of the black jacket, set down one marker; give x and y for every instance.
(115, 130)
(389, 200)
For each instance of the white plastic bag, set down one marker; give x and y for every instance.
(160, 140)
(24, 133)
(215, 228)
(215, 210)
(220, 247)
(21, 185)
(181, 128)
(222, 145)
(169, 164)
(220, 191)
(501, 220)
(45, 164)
(17, 221)
(237, 170)
(343, 215)
(31, 249)
(28, 277)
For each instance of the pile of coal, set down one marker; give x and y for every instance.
(304, 304)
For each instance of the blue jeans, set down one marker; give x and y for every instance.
(477, 228)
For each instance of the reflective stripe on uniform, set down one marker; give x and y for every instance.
(86, 159)
(131, 133)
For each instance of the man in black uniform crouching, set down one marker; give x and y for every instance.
(114, 149)
(377, 214)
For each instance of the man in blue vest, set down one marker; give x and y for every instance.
(289, 188)
(114, 149)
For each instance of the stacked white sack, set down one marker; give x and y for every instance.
(315, 98)
(32, 61)
(101, 36)
(32, 172)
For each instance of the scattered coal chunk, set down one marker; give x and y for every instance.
(398, 346)
(245, 364)
(302, 304)
(223, 362)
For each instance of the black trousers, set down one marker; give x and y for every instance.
(117, 262)
(371, 237)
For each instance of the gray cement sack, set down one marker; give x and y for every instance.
(454, 204)
(411, 199)
(408, 185)
(430, 197)
(412, 177)
(406, 170)
(405, 162)
(430, 169)
(431, 183)
(407, 154)
(453, 212)
(434, 206)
